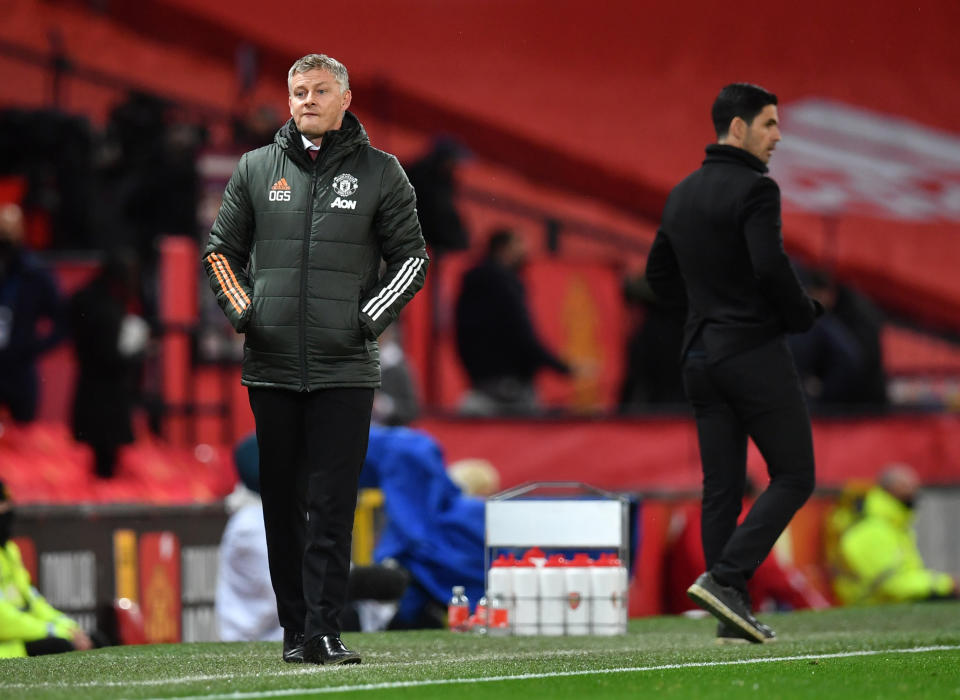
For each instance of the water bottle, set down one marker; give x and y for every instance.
(479, 621)
(458, 611)
(526, 589)
(552, 596)
(500, 578)
(578, 598)
(498, 616)
(608, 612)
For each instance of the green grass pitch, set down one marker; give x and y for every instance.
(906, 651)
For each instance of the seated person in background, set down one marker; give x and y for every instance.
(878, 557)
(433, 529)
(496, 339)
(245, 603)
(29, 625)
(840, 359)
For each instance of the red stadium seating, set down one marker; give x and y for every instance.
(41, 463)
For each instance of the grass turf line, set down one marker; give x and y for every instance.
(255, 670)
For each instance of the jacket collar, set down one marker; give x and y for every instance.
(722, 153)
(350, 135)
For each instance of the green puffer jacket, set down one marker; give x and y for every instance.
(880, 559)
(294, 258)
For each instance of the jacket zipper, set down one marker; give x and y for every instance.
(304, 377)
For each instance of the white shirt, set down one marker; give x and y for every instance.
(308, 144)
(245, 603)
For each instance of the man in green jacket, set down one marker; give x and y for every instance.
(879, 559)
(29, 625)
(294, 259)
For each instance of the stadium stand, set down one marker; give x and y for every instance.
(850, 102)
(579, 159)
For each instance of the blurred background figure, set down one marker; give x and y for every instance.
(31, 317)
(396, 401)
(148, 176)
(496, 339)
(245, 604)
(29, 625)
(255, 127)
(110, 339)
(865, 322)
(434, 529)
(475, 477)
(840, 359)
(434, 179)
(53, 151)
(878, 559)
(653, 350)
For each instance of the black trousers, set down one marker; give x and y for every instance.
(312, 446)
(755, 393)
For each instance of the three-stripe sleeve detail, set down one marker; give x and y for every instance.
(228, 282)
(391, 292)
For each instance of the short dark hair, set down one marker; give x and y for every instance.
(499, 241)
(742, 100)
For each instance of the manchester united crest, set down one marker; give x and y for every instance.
(345, 184)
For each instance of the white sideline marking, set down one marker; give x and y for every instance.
(299, 670)
(291, 670)
(554, 674)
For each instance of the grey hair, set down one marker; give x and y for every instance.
(321, 61)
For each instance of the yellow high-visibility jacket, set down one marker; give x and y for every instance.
(25, 615)
(879, 559)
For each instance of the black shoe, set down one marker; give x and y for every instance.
(328, 649)
(728, 635)
(727, 605)
(292, 647)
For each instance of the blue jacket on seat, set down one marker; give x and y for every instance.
(432, 529)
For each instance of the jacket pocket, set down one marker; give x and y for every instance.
(359, 339)
(333, 323)
(271, 328)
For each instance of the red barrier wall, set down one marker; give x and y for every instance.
(662, 454)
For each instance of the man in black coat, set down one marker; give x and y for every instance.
(719, 247)
(110, 338)
(496, 340)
